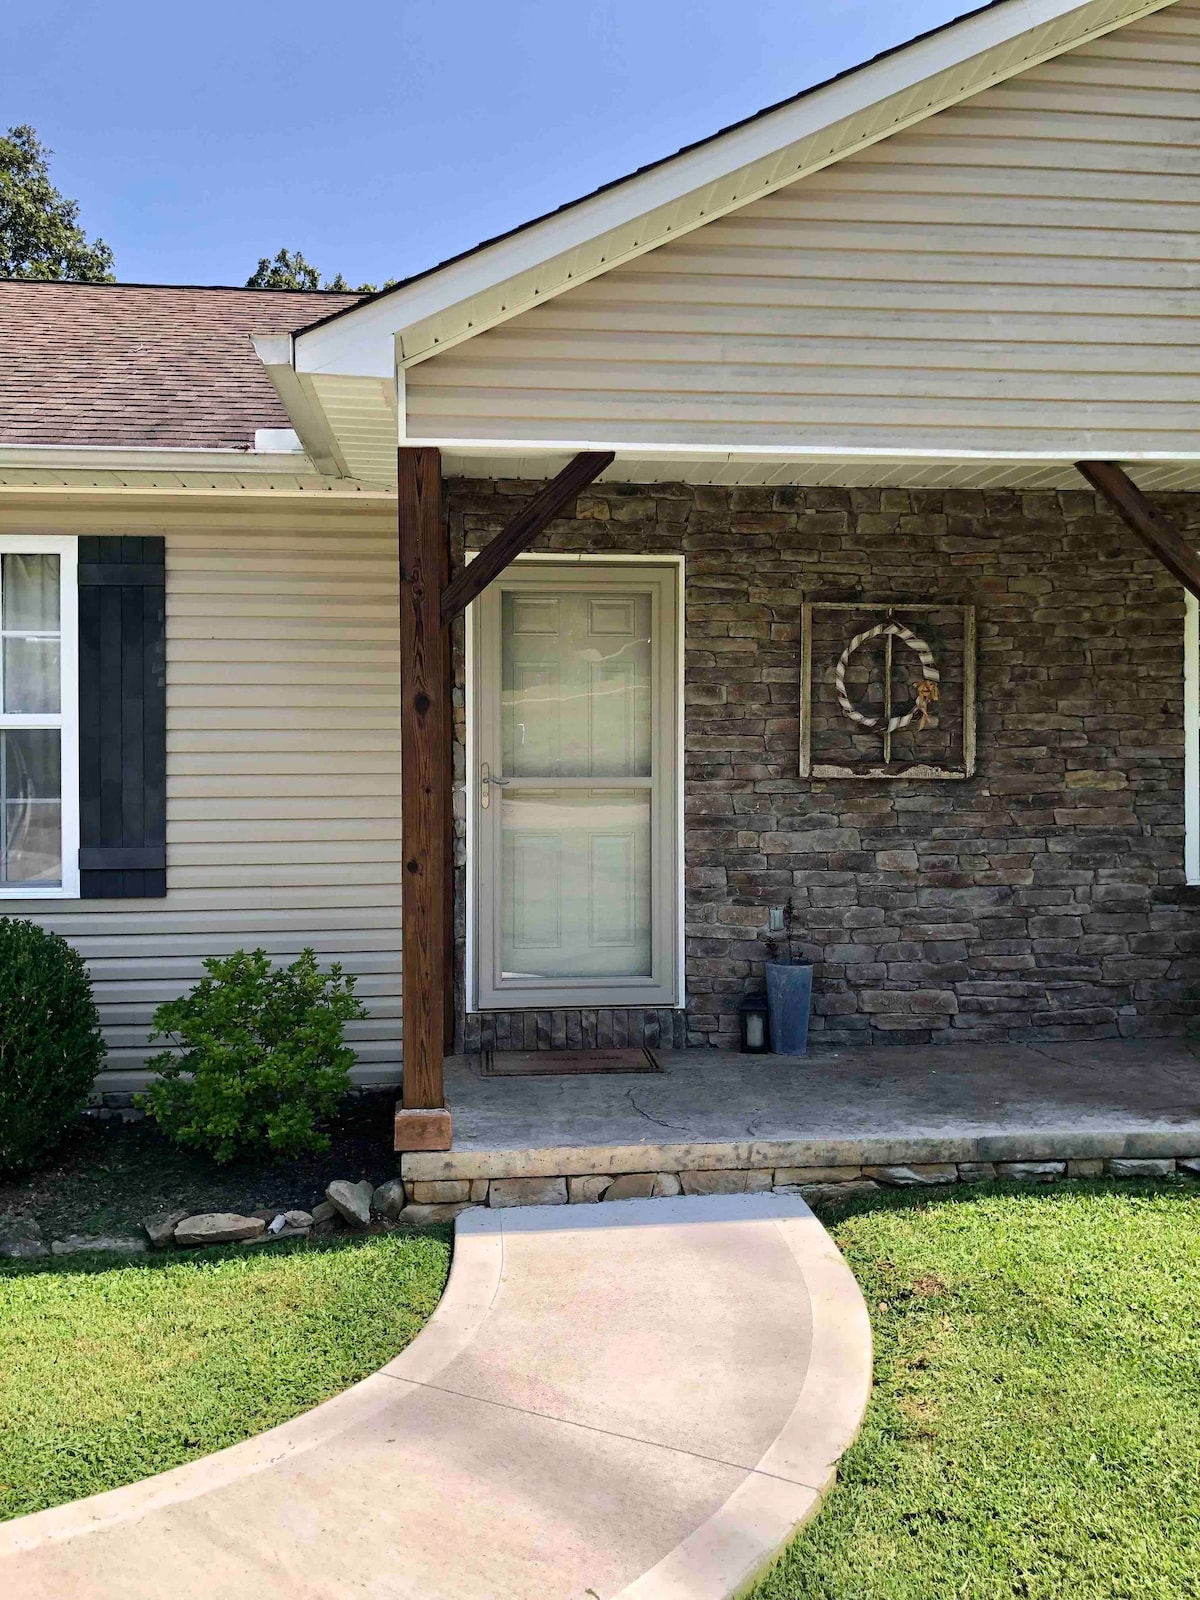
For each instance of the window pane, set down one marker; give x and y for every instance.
(32, 675)
(576, 889)
(29, 588)
(576, 680)
(30, 792)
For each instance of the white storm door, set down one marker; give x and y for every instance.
(575, 820)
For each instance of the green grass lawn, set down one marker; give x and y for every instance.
(1035, 1424)
(110, 1373)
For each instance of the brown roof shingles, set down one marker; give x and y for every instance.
(142, 365)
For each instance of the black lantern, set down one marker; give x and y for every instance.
(752, 1014)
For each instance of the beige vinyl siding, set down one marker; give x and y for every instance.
(283, 775)
(1016, 273)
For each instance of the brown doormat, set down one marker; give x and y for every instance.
(564, 1063)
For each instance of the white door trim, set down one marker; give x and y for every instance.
(469, 789)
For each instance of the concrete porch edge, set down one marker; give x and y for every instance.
(575, 1161)
(714, 1111)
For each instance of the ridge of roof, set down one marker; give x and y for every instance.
(660, 161)
(206, 288)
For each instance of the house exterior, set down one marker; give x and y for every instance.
(824, 609)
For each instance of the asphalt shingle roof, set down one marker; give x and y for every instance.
(135, 364)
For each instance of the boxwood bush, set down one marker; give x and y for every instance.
(50, 1045)
(259, 1061)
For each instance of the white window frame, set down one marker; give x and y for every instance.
(67, 719)
(669, 987)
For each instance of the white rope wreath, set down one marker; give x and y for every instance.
(927, 689)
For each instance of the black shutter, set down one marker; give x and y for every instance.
(122, 718)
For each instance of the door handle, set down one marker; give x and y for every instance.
(486, 779)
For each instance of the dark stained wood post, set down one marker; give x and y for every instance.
(426, 747)
(429, 605)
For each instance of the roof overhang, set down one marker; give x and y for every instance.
(342, 379)
(821, 466)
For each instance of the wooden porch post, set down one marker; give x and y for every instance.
(426, 744)
(429, 605)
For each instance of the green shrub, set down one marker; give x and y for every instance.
(261, 1063)
(50, 1046)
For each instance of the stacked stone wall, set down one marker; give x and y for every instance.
(1042, 899)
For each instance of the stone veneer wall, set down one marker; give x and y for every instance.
(1043, 899)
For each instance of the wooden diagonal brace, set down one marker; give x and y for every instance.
(1154, 530)
(520, 533)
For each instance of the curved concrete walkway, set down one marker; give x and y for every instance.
(639, 1400)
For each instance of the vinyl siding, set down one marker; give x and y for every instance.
(283, 775)
(1016, 273)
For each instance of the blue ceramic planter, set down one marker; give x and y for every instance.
(789, 1002)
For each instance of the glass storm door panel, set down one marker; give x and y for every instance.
(574, 778)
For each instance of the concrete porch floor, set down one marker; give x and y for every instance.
(713, 1110)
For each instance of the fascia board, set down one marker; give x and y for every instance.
(827, 450)
(498, 282)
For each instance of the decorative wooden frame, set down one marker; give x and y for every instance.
(911, 770)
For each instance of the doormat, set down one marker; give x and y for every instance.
(564, 1063)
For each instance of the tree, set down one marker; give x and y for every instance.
(289, 270)
(40, 236)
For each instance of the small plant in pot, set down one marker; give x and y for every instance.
(789, 990)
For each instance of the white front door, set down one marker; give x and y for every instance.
(575, 786)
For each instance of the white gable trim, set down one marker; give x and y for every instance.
(502, 280)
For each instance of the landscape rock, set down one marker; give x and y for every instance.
(160, 1229)
(419, 1216)
(389, 1199)
(1032, 1171)
(528, 1192)
(1190, 1165)
(108, 1244)
(21, 1239)
(324, 1212)
(585, 1190)
(976, 1171)
(1146, 1167)
(352, 1201)
(289, 1225)
(479, 1191)
(916, 1176)
(727, 1181)
(218, 1227)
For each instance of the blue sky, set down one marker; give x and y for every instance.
(379, 138)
